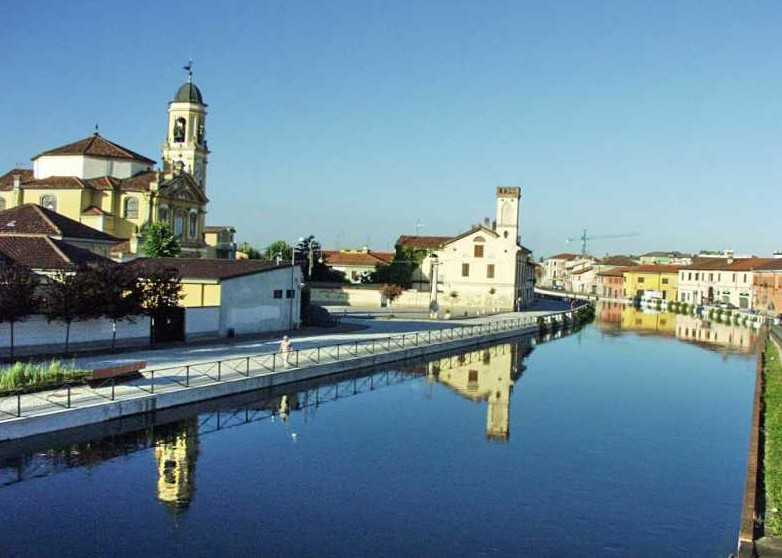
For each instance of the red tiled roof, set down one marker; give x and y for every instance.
(203, 268)
(121, 247)
(652, 268)
(30, 218)
(42, 252)
(616, 271)
(56, 183)
(728, 264)
(7, 180)
(139, 182)
(369, 259)
(623, 261)
(422, 242)
(93, 210)
(772, 264)
(97, 146)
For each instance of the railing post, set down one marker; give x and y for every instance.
(274, 361)
(416, 338)
(337, 352)
(69, 395)
(430, 336)
(219, 370)
(318, 354)
(247, 369)
(113, 384)
(356, 348)
(403, 340)
(18, 403)
(187, 375)
(153, 381)
(297, 358)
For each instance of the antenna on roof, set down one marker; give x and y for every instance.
(189, 70)
(418, 226)
(96, 129)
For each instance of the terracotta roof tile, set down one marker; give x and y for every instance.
(336, 257)
(654, 269)
(623, 261)
(41, 252)
(55, 183)
(728, 264)
(566, 257)
(203, 268)
(30, 218)
(7, 180)
(97, 146)
(423, 242)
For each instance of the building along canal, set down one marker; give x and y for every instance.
(625, 438)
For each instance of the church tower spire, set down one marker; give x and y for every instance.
(185, 147)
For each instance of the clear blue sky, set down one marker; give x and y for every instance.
(351, 120)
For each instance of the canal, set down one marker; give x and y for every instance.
(626, 438)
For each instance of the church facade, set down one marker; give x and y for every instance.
(104, 185)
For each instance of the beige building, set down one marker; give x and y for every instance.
(357, 265)
(220, 243)
(118, 191)
(483, 268)
(720, 280)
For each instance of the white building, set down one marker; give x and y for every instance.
(483, 268)
(716, 280)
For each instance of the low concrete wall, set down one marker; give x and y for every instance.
(36, 335)
(107, 410)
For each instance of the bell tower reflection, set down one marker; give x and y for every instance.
(485, 375)
(176, 455)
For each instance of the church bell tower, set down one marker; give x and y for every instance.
(185, 148)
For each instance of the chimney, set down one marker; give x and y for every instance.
(17, 181)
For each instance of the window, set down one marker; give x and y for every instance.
(478, 250)
(490, 271)
(640, 279)
(179, 130)
(290, 293)
(49, 202)
(179, 224)
(278, 293)
(719, 277)
(711, 277)
(193, 224)
(465, 270)
(696, 276)
(734, 277)
(131, 208)
(665, 281)
(745, 277)
(162, 214)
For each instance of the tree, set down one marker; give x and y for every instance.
(18, 297)
(160, 289)
(252, 253)
(69, 296)
(117, 293)
(160, 241)
(278, 249)
(400, 270)
(391, 292)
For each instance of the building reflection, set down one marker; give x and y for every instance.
(485, 375)
(614, 317)
(176, 456)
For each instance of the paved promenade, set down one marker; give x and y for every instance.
(182, 376)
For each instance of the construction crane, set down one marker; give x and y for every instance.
(584, 238)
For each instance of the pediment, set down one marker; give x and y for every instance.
(183, 187)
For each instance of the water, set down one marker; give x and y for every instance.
(618, 440)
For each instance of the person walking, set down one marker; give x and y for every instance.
(286, 347)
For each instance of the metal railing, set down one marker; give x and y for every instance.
(160, 380)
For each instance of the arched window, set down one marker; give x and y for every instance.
(193, 224)
(162, 214)
(2, 204)
(179, 130)
(179, 224)
(131, 208)
(49, 202)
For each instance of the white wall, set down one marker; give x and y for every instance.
(36, 331)
(247, 303)
(346, 296)
(85, 167)
(202, 321)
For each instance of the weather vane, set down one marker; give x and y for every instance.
(189, 70)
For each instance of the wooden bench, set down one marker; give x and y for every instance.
(121, 372)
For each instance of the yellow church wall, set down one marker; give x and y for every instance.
(69, 202)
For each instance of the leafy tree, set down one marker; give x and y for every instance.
(69, 296)
(251, 252)
(160, 289)
(278, 248)
(391, 292)
(117, 293)
(400, 270)
(160, 241)
(17, 295)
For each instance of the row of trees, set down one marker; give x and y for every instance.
(112, 291)
(307, 253)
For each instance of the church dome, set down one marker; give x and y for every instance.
(188, 93)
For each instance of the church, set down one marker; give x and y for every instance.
(113, 189)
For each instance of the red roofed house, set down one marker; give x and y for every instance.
(113, 189)
(356, 264)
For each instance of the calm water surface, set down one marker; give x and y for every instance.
(627, 438)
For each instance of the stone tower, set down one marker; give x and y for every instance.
(507, 224)
(185, 147)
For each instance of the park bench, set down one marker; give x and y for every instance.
(121, 372)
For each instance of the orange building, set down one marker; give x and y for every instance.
(767, 287)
